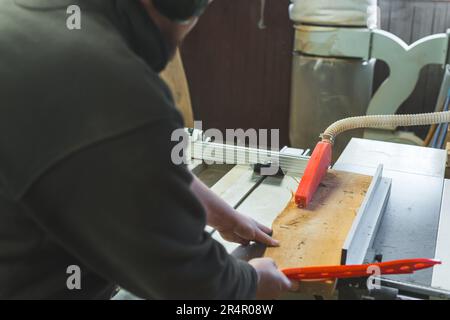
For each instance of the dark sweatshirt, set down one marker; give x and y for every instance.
(86, 177)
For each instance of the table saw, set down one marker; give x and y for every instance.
(409, 206)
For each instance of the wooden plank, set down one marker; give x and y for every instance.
(440, 22)
(239, 74)
(423, 18)
(422, 26)
(315, 236)
(448, 16)
(402, 14)
(175, 78)
(385, 14)
(435, 73)
(381, 68)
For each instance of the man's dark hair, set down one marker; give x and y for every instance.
(180, 10)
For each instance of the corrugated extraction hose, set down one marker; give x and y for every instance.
(384, 121)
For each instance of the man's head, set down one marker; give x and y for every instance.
(175, 18)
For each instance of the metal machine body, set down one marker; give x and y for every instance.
(325, 87)
(414, 214)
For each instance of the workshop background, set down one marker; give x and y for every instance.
(239, 59)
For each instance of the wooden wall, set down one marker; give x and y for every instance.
(240, 75)
(412, 20)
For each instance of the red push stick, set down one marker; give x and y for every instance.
(359, 271)
(314, 173)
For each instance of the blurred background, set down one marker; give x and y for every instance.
(239, 61)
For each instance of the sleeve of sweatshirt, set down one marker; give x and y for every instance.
(124, 210)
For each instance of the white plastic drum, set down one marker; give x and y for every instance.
(359, 13)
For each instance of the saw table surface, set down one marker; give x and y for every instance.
(411, 221)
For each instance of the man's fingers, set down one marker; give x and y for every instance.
(263, 228)
(264, 238)
(287, 284)
(243, 242)
(240, 240)
(237, 239)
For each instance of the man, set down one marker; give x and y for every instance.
(86, 179)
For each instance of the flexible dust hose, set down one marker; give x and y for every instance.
(383, 121)
(321, 157)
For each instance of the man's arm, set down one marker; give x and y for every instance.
(236, 227)
(125, 211)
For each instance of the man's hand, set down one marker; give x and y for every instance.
(241, 229)
(232, 225)
(272, 283)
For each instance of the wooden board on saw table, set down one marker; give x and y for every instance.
(315, 236)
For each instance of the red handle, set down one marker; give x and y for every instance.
(359, 271)
(316, 169)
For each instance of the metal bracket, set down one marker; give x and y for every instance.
(365, 226)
